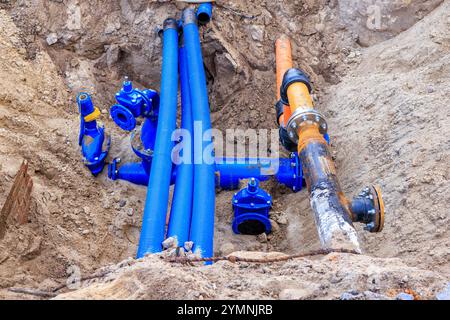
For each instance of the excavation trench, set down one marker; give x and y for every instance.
(80, 223)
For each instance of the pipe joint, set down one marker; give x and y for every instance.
(302, 117)
(170, 23)
(279, 110)
(286, 141)
(368, 208)
(292, 76)
(188, 16)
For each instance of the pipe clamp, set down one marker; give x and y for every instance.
(93, 116)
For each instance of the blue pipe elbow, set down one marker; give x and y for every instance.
(155, 211)
(131, 172)
(202, 224)
(181, 211)
(92, 138)
(204, 13)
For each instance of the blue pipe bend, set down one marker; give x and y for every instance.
(155, 211)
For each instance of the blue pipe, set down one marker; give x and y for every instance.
(230, 171)
(204, 13)
(155, 211)
(202, 224)
(180, 215)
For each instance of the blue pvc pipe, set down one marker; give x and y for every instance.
(204, 13)
(202, 224)
(154, 219)
(231, 170)
(180, 215)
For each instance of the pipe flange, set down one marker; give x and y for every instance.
(138, 146)
(368, 208)
(379, 210)
(300, 117)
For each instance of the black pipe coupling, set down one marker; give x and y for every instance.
(368, 208)
(285, 141)
(279, 110)
(290, 77)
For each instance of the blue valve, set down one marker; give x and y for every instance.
(92, 139)
(251, 210)
(133, 103)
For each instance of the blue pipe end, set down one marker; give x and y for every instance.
(204, 13)
(85, 104)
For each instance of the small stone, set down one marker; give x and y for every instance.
(257, 32)
(52, 38)
(188, 245)
(295, 294)
(404, 296)
(85, 232)
(275, 226)
(130, 212)
(227, 248)
(262, 238)
(74, 63)
(282, 219)
(430, 89)
(445, 294)
(168, 243)
(122, 203)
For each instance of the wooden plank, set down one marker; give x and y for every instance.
(18, 200)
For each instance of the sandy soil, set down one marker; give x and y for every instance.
(383, 90)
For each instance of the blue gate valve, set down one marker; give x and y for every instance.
(133, 103)
(92, 139)
(251, 210)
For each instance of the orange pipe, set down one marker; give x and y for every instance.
(283, 57)
(299, 97)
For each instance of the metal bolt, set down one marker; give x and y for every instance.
(268, 202)
(252, 204)
(291, 135)
(294, 125)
